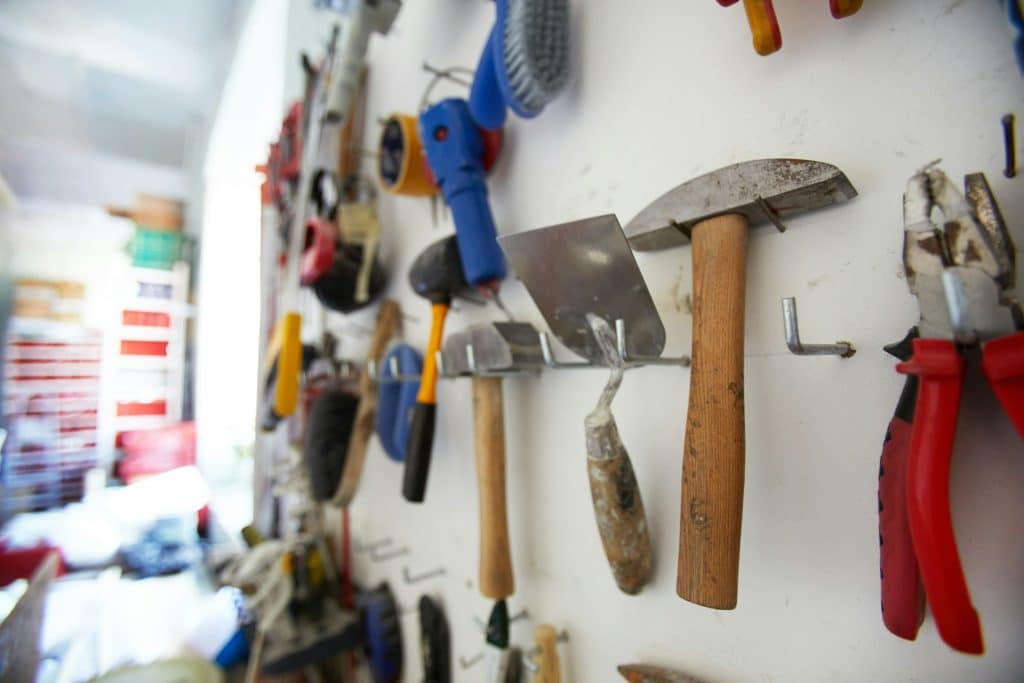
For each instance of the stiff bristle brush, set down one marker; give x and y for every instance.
(525, 62)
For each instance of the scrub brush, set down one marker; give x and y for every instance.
(525, 62)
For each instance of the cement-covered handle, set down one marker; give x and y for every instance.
(713, 449)
(621, 522)
(389, 317)
(496, 580)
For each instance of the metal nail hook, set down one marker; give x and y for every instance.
(370, 547)
(391, 554)
(410, 578)
(620, 346)
(471, 662)
(842, 349)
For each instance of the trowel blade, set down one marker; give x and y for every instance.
(582, 267)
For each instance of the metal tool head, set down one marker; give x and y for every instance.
(958, 257)
(763, 190)
(585, 267)
(496, 347)
(437, 274)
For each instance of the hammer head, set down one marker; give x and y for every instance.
(763, 190)
(437, 273)
(496, 346)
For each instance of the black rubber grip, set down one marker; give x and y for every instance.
(418, 451)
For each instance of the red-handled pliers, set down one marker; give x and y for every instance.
(958, 268)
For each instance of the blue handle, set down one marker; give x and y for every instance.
(454, 149)
(486, 101)
(395, 401)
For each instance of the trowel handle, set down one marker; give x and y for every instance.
(713, 450)
(619, 511)
(496, 579)
(424, 414)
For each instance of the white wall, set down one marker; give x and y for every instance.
(247, 120)
(662, 91)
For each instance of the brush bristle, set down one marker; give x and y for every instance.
(536, 50)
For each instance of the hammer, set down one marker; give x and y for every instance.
(437, 276)
(714, 212)
(479, 350)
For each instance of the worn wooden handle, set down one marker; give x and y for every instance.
(621, 521)
(496, 580)
(549, 666)
(713, 450)
(389, 317)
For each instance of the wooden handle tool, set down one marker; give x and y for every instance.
(389, 318)
(496, 579)
(618, 507)
(713, 450)
(549, 665)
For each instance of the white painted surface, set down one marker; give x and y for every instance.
(662, 91)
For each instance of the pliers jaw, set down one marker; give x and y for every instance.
(959, 259)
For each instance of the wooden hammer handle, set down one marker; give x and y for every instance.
(713, 450)
(496, 580)
(389, 318)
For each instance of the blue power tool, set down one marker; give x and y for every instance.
(454, 149)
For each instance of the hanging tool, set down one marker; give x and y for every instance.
(435, 642)
(959, 260)
(437, 276)
(389, 319)
(525, 61)
(495, 347)
(287, 389)
(714, 212)
(397, 398)
(618, 506)
(502, 661)
(549, 665)
(764, 26)
(577, 272)
(645, 673)
(454, 149)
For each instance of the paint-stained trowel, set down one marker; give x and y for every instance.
(583, 277)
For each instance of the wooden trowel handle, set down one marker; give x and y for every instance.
(713, 450)
(496, 579)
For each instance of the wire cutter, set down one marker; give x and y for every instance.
(959, 261)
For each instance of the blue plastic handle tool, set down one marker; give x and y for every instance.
(396, 399)
(486, 101)
(454, 150)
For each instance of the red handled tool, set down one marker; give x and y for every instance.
(959, 268)
(764, 26)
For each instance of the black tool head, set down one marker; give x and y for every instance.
(437, 274)
(328, 428)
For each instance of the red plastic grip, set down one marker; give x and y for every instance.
(902, 598)
(940, 368)
(1002, 361)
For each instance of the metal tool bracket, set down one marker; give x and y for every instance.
(843, 349)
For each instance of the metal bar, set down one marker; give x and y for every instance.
(840, 348)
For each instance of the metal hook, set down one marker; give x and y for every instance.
(409, 578)
(549, 357)
(396, 377)
(471, 662)
(370, 547)
(842, 349)
(391, 554)
(443, 74)
(620, 346)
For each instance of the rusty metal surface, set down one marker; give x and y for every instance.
(583, 267)
(644, 673)
(763, 190)
(958, 257)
